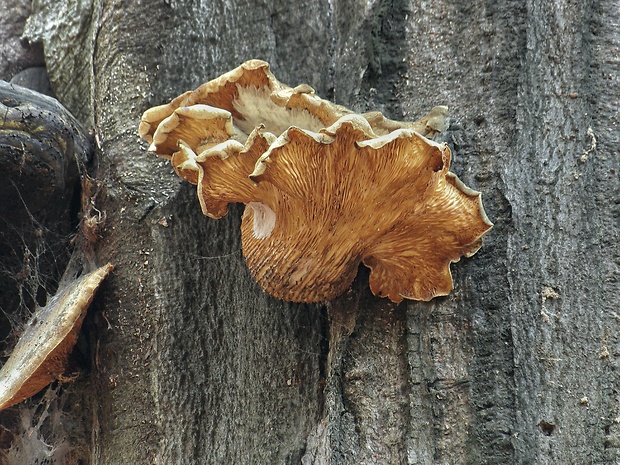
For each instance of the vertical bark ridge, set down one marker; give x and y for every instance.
(558, 190)
(467, 56)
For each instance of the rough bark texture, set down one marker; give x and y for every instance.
(16, 54)
(192, 363)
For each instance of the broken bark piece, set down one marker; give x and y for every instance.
(42, 351)
(326, 189)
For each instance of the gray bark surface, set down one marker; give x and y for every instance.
(193, 363)
(16, 54)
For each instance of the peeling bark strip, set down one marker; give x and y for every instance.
(326, 189)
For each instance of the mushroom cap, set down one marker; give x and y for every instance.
(253, 97)
(326, 189)
(345, 196)
(42, 351)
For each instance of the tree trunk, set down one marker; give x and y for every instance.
(193, 363)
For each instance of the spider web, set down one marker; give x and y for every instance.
(35, 253)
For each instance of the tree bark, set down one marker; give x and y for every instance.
(193, 363)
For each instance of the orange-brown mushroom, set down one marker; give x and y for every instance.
(326, 189)
(42, 352)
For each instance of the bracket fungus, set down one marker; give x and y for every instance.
(42, 352)
(325, 188)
